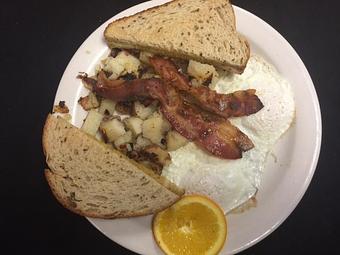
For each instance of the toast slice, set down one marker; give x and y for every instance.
(201, 30)
(91, 179)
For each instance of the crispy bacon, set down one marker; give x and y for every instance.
(219, 137)
(239, 103)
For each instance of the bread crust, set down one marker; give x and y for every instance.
(44, 134)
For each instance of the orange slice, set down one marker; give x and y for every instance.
(193, 225)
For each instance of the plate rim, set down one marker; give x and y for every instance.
(311, 88)
(318, 124)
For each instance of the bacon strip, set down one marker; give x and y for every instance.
(239, 103)
(219, 137)
(122, 90)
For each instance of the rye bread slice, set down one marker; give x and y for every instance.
(91, 179)
(201, 30)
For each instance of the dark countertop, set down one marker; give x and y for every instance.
(38, 40)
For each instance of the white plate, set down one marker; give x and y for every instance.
(287, 174)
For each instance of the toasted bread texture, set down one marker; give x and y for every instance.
(91, 179)
(201, 30)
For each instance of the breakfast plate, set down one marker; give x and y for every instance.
(289, 168)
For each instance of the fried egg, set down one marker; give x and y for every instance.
(233, 182)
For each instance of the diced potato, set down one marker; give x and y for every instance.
(107, 106)
(113, 66)
(124, 139)
(166, 125)
(144, 56)
(144, 112)
(156, 114)
(154, 158)
(130, 63)
(112, 129)
(88, 82)
(92, 122)
(141, 142)
(154, 129)
(122, 64)
(174, 140)
(163, 157)
(134, 124)
(94, 100)
(89, 102)
(202, 72)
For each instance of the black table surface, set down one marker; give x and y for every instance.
(38, 38)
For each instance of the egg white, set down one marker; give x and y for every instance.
(232, 182)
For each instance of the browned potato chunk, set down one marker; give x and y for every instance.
(130, 63)
(123, 63)
(144, 112)
(112, 129)
(89, 102)
(112, 66)
(163, 157)
(107, 106)
(203, 73)
(92, 122)
(141, 142)
(88, 82)
(124, 139)
(166, 124)
(154, 128)
(174, 140)
(134, 124)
